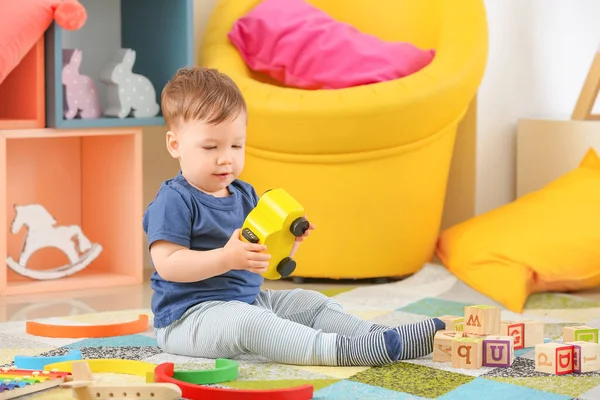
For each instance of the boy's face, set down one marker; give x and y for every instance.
(211, 156)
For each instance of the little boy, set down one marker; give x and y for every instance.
(207, 299)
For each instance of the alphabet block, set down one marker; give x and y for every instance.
(586, 357)
(453, 323)
(467, 353)
(515, 329)
(482, 320)
(442, 345)
(554, 358)
(498, 351)
(581, 333)
(534, 333)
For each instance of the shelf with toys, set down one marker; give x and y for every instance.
(71, 185)
(111, 71)
(60, 184)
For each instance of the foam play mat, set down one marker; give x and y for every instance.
(430, 292)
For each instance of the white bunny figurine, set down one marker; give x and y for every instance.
(126, 92)
(80, 95)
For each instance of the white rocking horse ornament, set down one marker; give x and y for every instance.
(41, 233)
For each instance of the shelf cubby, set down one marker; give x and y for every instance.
(91, 178)
(160, 32)
(22, 93)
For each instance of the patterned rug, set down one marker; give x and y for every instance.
(430, 292)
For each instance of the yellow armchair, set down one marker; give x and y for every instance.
(368, 163)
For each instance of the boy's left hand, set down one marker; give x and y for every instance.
(311, 227)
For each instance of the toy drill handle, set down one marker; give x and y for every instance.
(249, 236)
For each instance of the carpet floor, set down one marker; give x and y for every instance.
(430, 292)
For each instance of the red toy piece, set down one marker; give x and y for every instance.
(164, 373)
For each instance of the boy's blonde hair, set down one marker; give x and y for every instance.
(201, 94)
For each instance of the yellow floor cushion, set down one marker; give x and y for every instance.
(548, 240)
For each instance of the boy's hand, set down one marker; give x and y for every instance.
(311, 227)
(246, 256)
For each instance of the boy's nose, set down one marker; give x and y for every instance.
(224, 159)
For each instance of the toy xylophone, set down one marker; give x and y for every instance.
(20, 382)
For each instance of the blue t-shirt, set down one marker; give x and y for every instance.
(186, 216)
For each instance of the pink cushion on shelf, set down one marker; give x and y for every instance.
(302, 46)
(23, 23)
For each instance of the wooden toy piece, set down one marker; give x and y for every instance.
(43, 232)
(110, 365)
(88, 331)
(533, 333)
(38, 362)
(80, 91)
(467, 352)
(482, 320)
(276, 221)
(127, 92)
(225, 370)
(453, 322)
(515, 329)
(580, 333)
(498, 351)
(442, 345)
(586, 356)
(554, 358)
(164, 373)
(84, 387)
(15, 383)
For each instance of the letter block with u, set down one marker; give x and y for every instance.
(498, 351)
(554, 358)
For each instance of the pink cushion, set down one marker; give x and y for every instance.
(302, 46)
(23, 23)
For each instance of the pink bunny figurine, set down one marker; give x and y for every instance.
(80, 91)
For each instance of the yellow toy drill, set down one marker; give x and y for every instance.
(276, 221)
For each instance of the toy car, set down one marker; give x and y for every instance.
(276, 221)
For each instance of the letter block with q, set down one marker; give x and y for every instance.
(554, 358)
(467, 352)
(498, 351)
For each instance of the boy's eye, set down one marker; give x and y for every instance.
(209, 147)
(237, 146)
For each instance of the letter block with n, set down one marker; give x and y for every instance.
(498, 351)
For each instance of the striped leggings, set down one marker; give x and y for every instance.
(286, 326)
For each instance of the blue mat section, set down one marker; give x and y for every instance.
(118, 341)
(350, 390)
(498, 391)
(435, 307)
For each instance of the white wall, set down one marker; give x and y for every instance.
(539, 55)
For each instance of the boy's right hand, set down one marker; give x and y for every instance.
(245, 255)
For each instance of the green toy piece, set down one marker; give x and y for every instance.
(225, 370)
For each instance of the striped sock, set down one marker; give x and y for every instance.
(371, 349)
(416, 339)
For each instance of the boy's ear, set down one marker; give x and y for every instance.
(173, 144)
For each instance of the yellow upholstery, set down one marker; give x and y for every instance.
(368, 163)
(544, 241)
